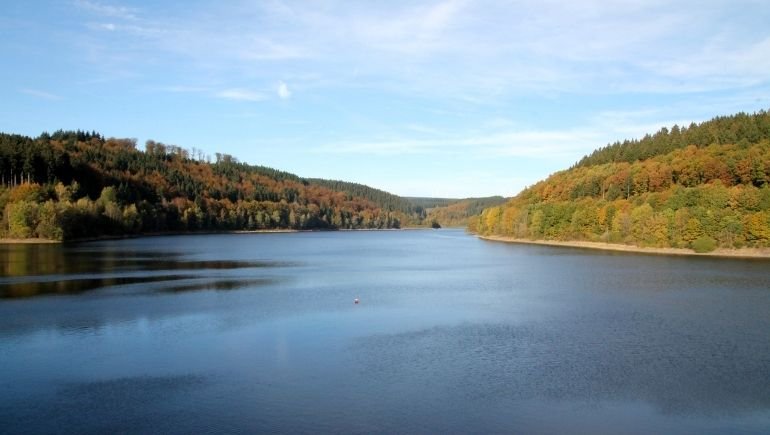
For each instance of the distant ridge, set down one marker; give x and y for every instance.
(740, 128)
(78, 184)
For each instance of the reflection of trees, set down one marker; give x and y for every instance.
(53, 269)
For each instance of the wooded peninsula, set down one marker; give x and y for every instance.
(701, 187)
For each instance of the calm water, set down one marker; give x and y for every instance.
(258, 333)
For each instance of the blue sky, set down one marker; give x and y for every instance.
(421, 98)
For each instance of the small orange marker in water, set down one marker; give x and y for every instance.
(355, 301)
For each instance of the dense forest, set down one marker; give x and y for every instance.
(700, 187)
(386, 200)
(74, 184)
(455, 212)
(429, 203)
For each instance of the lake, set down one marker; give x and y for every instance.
(259, 333)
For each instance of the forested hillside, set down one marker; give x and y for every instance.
(458, 212)
(386, 200)
(700, 187)
(427, 203)
(70, 185)
(742, 128)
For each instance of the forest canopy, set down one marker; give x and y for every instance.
(699, 187)
(76, 184)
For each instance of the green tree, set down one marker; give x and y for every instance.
(22, 219)
(48, 223)
(692, 230)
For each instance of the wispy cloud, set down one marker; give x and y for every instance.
(263, 49)
(465, 50)
(106, 26)
(717, 64)
(40, 94)
(382, 147)
(184, 89)
(416, 30)
(468, 184)
(499, 138)
(283, 91)
(106, 10)
(532, 144)
(240, 94)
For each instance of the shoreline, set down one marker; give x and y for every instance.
(35, 241)
(761, 253)
(6, 241)
(38, 241)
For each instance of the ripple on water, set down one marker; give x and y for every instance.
(639, 361)
(107, 406)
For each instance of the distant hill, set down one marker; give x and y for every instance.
(702, 186)
(76, 184)
(383, 199)
(455, 212)
(426, 203)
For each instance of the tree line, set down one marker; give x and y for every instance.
(741, 128)
(389, 201)
(458, 212)
(698, 196)
(76, 184)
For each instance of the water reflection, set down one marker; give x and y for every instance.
(152, 265)
(219, 285)
(26, 260)
(35, 270)
(75, 286)
(35, 260)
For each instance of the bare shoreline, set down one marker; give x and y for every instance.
(721, 252)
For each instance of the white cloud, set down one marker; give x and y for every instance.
(184, 89)
(383, 147)
(537, 144)
(40, 94)
(106, 10)
(466, 185)
(416, 30)
(283, 91)
(717, 64)
(240, 94)
(469, 51)
(261, 48)
(532, 144)
(499, 138)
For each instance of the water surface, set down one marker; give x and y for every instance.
(258, 332)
